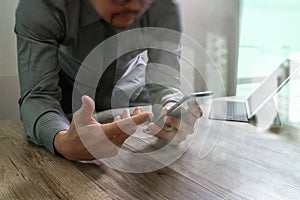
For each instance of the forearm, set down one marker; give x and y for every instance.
(42, 121)
(163, 71)
(163, 75)
(40, 95)
(162, 95)
(40, 107)
(48, 126)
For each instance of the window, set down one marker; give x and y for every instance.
(269, 33)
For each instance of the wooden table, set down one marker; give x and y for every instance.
(246, 163)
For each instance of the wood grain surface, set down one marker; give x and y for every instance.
(245, 163)
(29, 172)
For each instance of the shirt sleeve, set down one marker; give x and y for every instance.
(38, 38)
(163, 69)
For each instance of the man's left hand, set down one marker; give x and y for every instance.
(180, 127)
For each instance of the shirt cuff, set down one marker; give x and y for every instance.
(48, 125)
(173, 97)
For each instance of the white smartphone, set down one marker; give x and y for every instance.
(172, 110)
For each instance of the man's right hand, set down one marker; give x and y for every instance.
(87, 139)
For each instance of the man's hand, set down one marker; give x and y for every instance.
(180, 127)
(87, 139)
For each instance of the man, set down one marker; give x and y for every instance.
(54, 37)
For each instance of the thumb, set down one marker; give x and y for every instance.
(85, 113)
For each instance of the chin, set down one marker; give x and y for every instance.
(122, 25)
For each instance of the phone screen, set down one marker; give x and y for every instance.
(178, 109)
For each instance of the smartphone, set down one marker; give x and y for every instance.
(180, 102)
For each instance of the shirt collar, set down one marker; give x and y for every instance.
(88, 14)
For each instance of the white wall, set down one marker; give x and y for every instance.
(214, 24)
(9, 89)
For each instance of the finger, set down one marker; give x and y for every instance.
(172, 137)
(172, 121)
(126, 113)
(117, 118)
(195, 109)
(193, 116)
(201, 112)
(190, 119)
(141, 118)
(168, 128)
(85, 113)
(137, 111)
(198, 111)
(128, 125)
(168, 106)
(162, 134)
(185, 124)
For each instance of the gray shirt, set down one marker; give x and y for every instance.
(55, 36)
